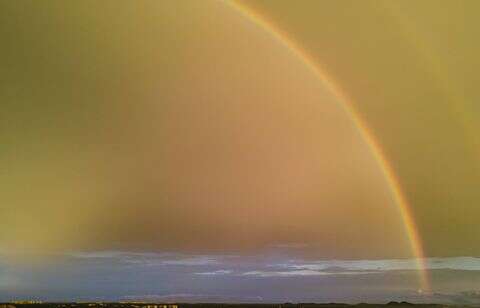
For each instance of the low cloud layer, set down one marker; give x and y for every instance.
(270, 277)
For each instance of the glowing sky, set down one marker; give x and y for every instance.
(409, 68)
(187, 127)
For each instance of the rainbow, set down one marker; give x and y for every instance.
(387, 170)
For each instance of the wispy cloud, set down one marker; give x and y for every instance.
(455, 263)
(215, 273)
(192, 261)
(149, 258)
(295, 273)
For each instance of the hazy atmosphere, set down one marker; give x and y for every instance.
(240, 151)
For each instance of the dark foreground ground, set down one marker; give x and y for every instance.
(180, 305)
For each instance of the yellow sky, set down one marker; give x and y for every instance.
(185, 126)
(410, 69)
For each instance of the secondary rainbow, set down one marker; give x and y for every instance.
(397, 194)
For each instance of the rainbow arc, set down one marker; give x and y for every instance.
(346, 103)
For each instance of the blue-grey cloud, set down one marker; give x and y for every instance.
(274, 277)
(216, 272)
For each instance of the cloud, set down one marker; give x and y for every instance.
(148, 258)
(303, 273)
(215, 273)
(361, 267)
(170, 276)
(454, 263)
(192, 261)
